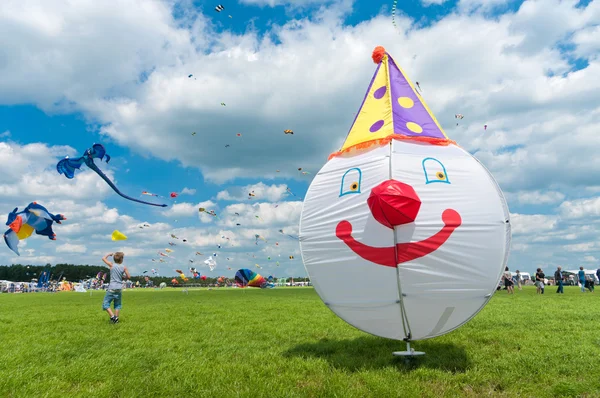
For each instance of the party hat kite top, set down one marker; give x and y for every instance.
(392, 109)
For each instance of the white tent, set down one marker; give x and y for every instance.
(588, 272)
(79, 288)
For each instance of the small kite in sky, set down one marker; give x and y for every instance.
(210, 213)
(68, 166)
(288, 132)
(173, 194)
(212, 264)
(193, 133)
(485, 126)
(118, 235)
(291, 236)
(219, 8)
(174, 237)
(223, 104)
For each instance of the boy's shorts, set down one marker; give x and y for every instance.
(112, 295)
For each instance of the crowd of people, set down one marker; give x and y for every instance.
(581, 278)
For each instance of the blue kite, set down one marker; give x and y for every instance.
(34, 217)
(68, 166)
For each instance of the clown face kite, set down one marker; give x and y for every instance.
(403, 233)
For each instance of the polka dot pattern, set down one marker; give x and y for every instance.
(406, 102)
(414, 127)
(376, 126)
(380, 92)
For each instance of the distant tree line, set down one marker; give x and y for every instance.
(75, 273)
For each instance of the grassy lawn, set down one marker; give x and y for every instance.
(285, 342)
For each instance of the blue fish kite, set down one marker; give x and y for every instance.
(34, 217)
(68, 166)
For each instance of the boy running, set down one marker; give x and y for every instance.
(115, 287)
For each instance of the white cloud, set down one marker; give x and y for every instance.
(188, 191)
(29, 171)
(287, 3)
(523, 224)
(261, 191)
(186, 209)
(579, 208)
(5, 134)
(432, 2)
(261, 214)
(581, 247)
(70, 248)
(540, 197)
(305, 76)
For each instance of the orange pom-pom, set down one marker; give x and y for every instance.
(378, 54)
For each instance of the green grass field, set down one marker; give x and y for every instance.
(285, 342)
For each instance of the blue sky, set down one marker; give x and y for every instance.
(117, 75)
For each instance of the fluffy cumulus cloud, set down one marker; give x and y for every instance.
(70, 248)
(539, 197)
(260, 191)
(188, 191)
(29, 170)
(529, 75)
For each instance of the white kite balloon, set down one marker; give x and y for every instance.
(404, 234)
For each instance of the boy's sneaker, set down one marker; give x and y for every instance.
(114, 319)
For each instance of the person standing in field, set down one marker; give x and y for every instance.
(508, 282)
(581, 275)
(558, 277)
(519, 279)
(590, 282)
(115, 287)
(539, 281)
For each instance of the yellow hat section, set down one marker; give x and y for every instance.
(377, 106)
(116, 235)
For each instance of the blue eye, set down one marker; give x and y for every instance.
(351, 181)
(434, 171)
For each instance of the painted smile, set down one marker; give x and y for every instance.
(393, 203)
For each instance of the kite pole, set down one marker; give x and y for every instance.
(410, 352)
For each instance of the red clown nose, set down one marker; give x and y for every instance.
(394, 203)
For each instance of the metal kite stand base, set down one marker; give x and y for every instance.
(409, 353)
